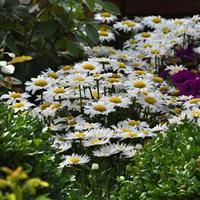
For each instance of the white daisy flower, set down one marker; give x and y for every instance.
(106, 36)
(13, 97)
(153, 21)
(39, 83)
(128, 26)
(61, 145)
(173, 69)
(98, 108)
(74, 159)
(89, 66)
(117, 101)
(105, 17)
(21, 105)
(95, 141)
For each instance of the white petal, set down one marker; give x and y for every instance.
(3, 63)
(9, 69)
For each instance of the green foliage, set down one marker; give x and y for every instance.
(24, 142)
(49, 30)
(167, 168)
(16, 185)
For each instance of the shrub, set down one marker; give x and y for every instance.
(25, 142)
(49, 30)
(167, 168)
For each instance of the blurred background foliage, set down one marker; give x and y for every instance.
(51, 31)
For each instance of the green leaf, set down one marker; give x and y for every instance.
(37, 142)
(92, 33)
(111, 7)
(46, 28)
(90, 4)
(72, 47)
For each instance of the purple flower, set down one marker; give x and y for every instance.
(182, 76)
(190, 87)
(186, 54)
(164, 74)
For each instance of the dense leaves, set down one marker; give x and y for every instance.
(24, 142)
(167, 168)
(39, 27)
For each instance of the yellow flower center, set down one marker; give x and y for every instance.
(72, 122)
(178, 22)
(45, 105)
(56, 105)
(135, 65)
(196, 113)
(53, 75)
(96, 141)
(140, 72)
(100, 108)
(133, 41)
(156, 20)
(18, 105)
(177, 110)
(105, 14)
(129, 23)
(195, 100)
(96, 75)
(74, 160)
(147, 45)
(15, 95)
(95, 94)
(155, 51)
(141, 55)
(131, 134)
(59, 90)
(88, 66)
(166, 30)
(79, 135)
(115, 76)
(40, 83)
(146, 35)
(164, 89)
(121, 65)
(139, 84)
(150, 100)
(157, 79)
(79, 78)
(67, 67)
(115, 99)
(112, 80)
(125, 130)
(134, 123)
(145, 132)
(103, 33)
(122, 56)
(175, 92)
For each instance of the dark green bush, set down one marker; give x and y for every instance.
(25, 143)
(49, 30)
(167, 168)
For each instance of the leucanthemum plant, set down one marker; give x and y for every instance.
(103, 109)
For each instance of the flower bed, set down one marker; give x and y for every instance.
(102, 110)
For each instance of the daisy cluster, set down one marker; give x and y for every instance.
(109, 104)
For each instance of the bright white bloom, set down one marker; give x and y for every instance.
(74, 159)
(105, 17)
(106, 36)
(98, 108)
(173, 69)
(13, 97)
(7, 68)
(128, 26)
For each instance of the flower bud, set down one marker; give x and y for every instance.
(95, 166)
